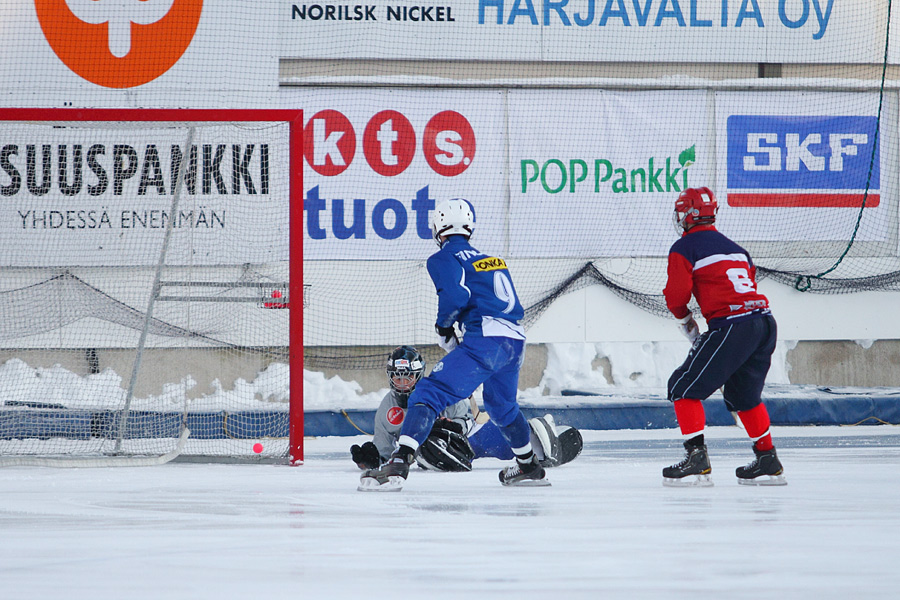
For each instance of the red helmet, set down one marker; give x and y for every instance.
(695, 206)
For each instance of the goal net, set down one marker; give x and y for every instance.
(147, 287)
(572, 127)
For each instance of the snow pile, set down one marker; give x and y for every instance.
(320, 393)
(634, 365)
(570, 366)
(56, 385)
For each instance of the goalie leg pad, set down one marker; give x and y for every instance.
(445, 450)
(554, 445)
(570, 444)
(544, 440)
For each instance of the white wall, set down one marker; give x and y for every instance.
(596, 314)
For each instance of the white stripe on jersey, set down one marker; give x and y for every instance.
(709, 260)
(462, 283)
(497, 327)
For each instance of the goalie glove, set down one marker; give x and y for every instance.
(366, 456)
(688, 327)
(446, 338)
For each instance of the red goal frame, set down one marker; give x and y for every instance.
(295, 289)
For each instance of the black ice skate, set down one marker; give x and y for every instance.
(693, 471)
(765, 469)
(529, 474)
(387, 478)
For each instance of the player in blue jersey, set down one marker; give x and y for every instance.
(476, 293)
(735, 352)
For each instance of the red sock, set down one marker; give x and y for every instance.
(756, 422)
(691, 417)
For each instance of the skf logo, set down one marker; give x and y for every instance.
(389, 143)
(489, 264)
(395, 415)
(119, 43)
(808, 161)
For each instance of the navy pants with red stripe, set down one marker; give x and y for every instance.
(736, 356)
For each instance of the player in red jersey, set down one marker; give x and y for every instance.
(734, 352)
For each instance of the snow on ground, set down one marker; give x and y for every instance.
(605, 529)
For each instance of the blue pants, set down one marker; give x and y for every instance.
(488, 440)
(736, 356)
(490, 361)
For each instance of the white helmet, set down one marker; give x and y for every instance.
(452, 217)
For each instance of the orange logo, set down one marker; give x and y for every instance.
(119, 43)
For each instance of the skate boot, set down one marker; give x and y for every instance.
(765, 469)
(389, 477)
(693, 471)
(522, 475)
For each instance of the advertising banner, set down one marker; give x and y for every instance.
(101, 195)
(731, 31)
(801, 166)
(376, 161)
(144, 53)
(596, 173)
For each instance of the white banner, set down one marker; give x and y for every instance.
(795, 167)
(376, 161)
(91, 196)
(731, 31)
(596, 173)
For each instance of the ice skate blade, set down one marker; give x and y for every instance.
(370, 484)
(529, 483)
(688, 481)
(764, 480)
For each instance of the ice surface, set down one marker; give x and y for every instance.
(607, 528)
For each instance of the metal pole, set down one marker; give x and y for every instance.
(129, 395)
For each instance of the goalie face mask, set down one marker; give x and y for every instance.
(405, 368)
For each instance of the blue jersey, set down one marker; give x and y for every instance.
(475, 290)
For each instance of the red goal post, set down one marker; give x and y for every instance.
(294, 302)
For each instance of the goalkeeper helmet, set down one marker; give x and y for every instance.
(695, 206)
(405, 368)
(452, 217)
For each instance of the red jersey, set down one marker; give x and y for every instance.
(718, 273)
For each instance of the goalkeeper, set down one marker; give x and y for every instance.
(455, 439)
